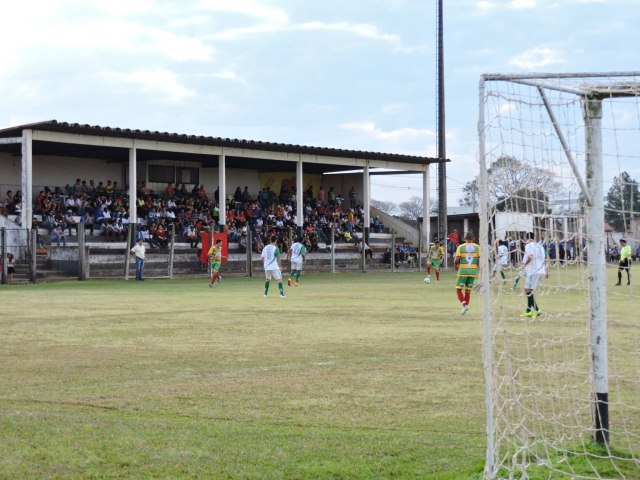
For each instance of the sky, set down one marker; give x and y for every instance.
(354, 74)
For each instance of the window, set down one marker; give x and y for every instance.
(161, 174)
(187, 175)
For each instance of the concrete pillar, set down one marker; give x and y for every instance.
(133, 183)
(299, 201)
(222, 185)
(26, 217)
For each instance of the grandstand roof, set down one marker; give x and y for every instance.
(251, 154)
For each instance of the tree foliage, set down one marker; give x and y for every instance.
(513, 185)
(386, 207)
(622, 200)
(412, 208)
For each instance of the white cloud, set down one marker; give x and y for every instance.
(270, 19)
(485, 5)
(161, 85)
(230, 75)
(537, 57)
(521, 4)
(362, 30)
(372, 130)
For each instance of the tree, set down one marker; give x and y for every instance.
(386, 207)
(622, 200)
(412, 208)
(471, 195)
(514, 185)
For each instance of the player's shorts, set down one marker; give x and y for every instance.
(296, 265)
(499, 266)
(624, 264)
(462, 282)
(532, 281)
(275, 274)
(215, 266)
(434, 262)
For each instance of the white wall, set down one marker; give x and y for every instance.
(58, 171)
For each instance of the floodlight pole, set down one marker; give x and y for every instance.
(592, 111)
(442, 150)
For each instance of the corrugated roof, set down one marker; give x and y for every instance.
(84, 129)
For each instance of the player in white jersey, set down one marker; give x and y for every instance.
(535, 265)
(297, 255)
(502, 259)
(272, 269)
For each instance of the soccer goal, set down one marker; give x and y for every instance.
(562, 376)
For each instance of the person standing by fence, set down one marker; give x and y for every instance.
(138, 252)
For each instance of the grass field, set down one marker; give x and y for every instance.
(351, 376)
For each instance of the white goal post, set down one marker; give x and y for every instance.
(562, 379)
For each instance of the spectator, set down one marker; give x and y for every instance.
(353, 197)
(57, 234)
(11, 267)
(237, 195)
(246, 196)
(70, 221)
(367, 250)
(454, 241)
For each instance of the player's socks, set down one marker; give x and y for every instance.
(266, 287)
(428, 269)
(502, 273)
(460, 295)
(467, 296)
(438, 275)
(281, 288)
(530, 302)
(515, 283)
(289, 280)
(298, 277)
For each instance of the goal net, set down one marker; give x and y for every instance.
(558, 154)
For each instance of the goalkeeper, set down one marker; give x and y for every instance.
(625, 262)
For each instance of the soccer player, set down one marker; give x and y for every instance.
(466, 263)
(436, 254)
(215, 260)
(502, 260)
(272, 269)
(535, 265)
(625, 262)
(297, 255)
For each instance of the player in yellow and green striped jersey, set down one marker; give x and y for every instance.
(466, 262)
(436, 254)
(215, 260)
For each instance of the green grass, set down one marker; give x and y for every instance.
(351, 376)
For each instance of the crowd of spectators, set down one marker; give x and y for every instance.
(103, 209)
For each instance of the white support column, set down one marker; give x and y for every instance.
(26, 217)
(597, 269)
(366, 199)
(426, 208)
(465, 226)
(299, 202)
(222, 193)
(133, 184)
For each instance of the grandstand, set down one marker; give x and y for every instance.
(81, 175)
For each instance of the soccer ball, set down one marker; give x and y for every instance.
(427, 280)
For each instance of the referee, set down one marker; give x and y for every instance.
(625, 262)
